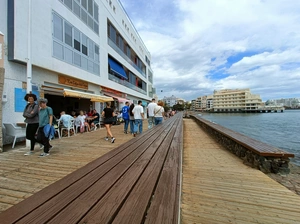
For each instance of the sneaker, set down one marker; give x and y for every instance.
(44, 154)
(125, 132)
(113, 140)
(28, 153)
(134, 134)
(106, 138)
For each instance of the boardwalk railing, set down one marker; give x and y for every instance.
(260, 155)
(137, 182)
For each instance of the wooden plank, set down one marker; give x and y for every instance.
(134, 208)
(162, 208)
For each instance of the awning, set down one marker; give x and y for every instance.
(120, 99)
(117, 68)
(93, 97)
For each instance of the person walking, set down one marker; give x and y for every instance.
(31, 114)
(125, 116)
(108, 114)
(45, 119)
(138, 112)
(131, 118)
(159, 113)
(150, 110)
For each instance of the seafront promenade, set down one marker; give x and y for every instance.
(216, 186)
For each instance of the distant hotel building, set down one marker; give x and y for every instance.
(228, 100)
(81, 51)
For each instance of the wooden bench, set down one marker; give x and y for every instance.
(255, 153)
(137, 182)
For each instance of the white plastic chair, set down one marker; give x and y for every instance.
(15, 131)
(70, 127)
(56, 127)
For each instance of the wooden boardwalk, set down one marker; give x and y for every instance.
(218, 188)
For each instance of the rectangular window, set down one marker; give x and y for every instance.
(68, 34)
(77, 39)
(90, 7)
(76, 9)
(113, 34)
(90, 22)
(84, 45)
(96, 27)
(96, 53)
(77, 58)
(57, 27)
(96, 15)
(91, 47)
(58, 50)
(84, 63)
(84, 3)
(84, 16)
(68, 55)
(90, 66)
(68, 3)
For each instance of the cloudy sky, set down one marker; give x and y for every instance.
(199, 46)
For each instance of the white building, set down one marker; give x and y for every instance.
(81, 52)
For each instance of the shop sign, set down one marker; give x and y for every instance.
(111, 91)
(72, 82)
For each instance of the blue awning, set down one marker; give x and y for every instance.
(117, 68)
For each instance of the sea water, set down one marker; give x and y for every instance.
(281, 129)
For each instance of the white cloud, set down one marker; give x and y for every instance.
(191, 39)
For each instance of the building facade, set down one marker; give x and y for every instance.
(236, 100)
(82, 53)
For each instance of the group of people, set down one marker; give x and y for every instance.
(133, 116)
(39, 118)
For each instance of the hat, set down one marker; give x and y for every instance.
(30, 95)
(43, 100)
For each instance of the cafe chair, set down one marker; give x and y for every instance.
(15, 131)
(56, 127)
(71, 126)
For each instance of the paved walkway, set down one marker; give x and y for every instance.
(219, 188)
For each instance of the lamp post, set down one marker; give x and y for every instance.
(29, 65)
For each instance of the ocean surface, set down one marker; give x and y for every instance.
(281, 130)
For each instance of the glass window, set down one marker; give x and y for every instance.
(96, 15)
(96, 69)
(90, 22)
(84, 3)
(76, 9)
(90, 66)
(77, 39)
(77, 58)
(96, 53)
(68, 55)
(90, 7)
(96, 27)
(68, 34)
(84, 62)
(84, 45)
(113, 34)
(84, 16)
(57, 27)
(68, 3)
(58, 51)
(91, 47)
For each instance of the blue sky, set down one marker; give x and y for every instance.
(198, 46)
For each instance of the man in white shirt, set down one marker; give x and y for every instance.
(150, 110)
(64, 119)
(138, 113)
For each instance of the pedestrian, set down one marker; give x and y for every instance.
(108, 114)
(125, 116)
(150, 110)
(31, 114)
(131, 118)
(45, 120)
(138, 112)
(159, 113)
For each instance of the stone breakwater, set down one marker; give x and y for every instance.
(267, 164)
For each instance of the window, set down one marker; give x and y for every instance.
(58, 27)
(76, 39)
(74, 47)
(68, 34)
(84, 45)
(86, 10)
